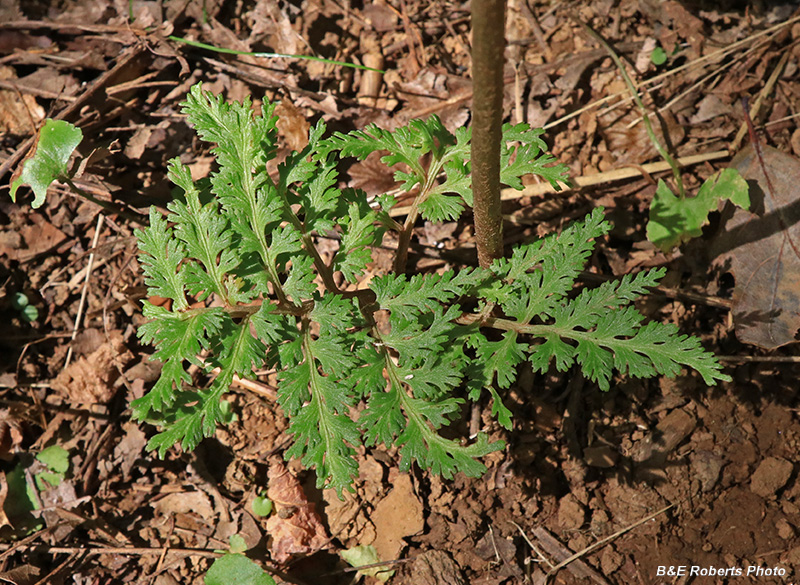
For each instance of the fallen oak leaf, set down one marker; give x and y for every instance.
(762, 249)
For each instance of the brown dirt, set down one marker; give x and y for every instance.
(711, 471)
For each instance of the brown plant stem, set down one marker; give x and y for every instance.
(488, 46)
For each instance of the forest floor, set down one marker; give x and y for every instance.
(657, 473)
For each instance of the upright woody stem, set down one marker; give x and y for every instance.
(488, 47)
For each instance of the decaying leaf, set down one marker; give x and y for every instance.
(762, 248)
(10, 434)
(397, 516)
(295, 527)
(4, 521)
(90, 379)
(22, 575)
(363, 555)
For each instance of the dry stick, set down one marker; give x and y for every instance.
(558, 551)
(598, 103)
(42, 93)
(25, 542)
(82, 304)
(109, 206)
(540, 554)
(370, 566)
(613, 175)
(739, 57)
(595, 179)
(111, 550)
(779, 120)
(775, 359)
(255, 387)
(466, 95)
(66, 27)
(604, 541)
(57, 570)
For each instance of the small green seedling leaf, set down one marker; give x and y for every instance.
(19, 301)
(55, 457)
(30, 313)
(658, 56)
(674, 220)
(55, 144)
(236, 568)
(262, 506)
(228, 414)
(48, 479)
(361, 555)
(237, 543)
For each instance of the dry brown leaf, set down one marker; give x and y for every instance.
(10, 434)
(90, 379)
(633, 145)
(380, 16)
(23, 575)
(763, 250)
(20, 114)
(130, 448)
(292, 124)
(4, 521)
(436, 567)
(372, 175)
(349, 520)
(397, 516)
(710, 107)
(295, 527)
(184, 503)
(37, 238)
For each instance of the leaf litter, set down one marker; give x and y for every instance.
(763, 249)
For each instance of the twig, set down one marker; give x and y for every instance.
(370, 566)
(605, 541)
(108, 205)
(557, 550)
(595, 179)
(85, 290)
(774, 359)
(25, 542)
(540, 554)
(115, 550)
(49, 577)
(254, 387)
